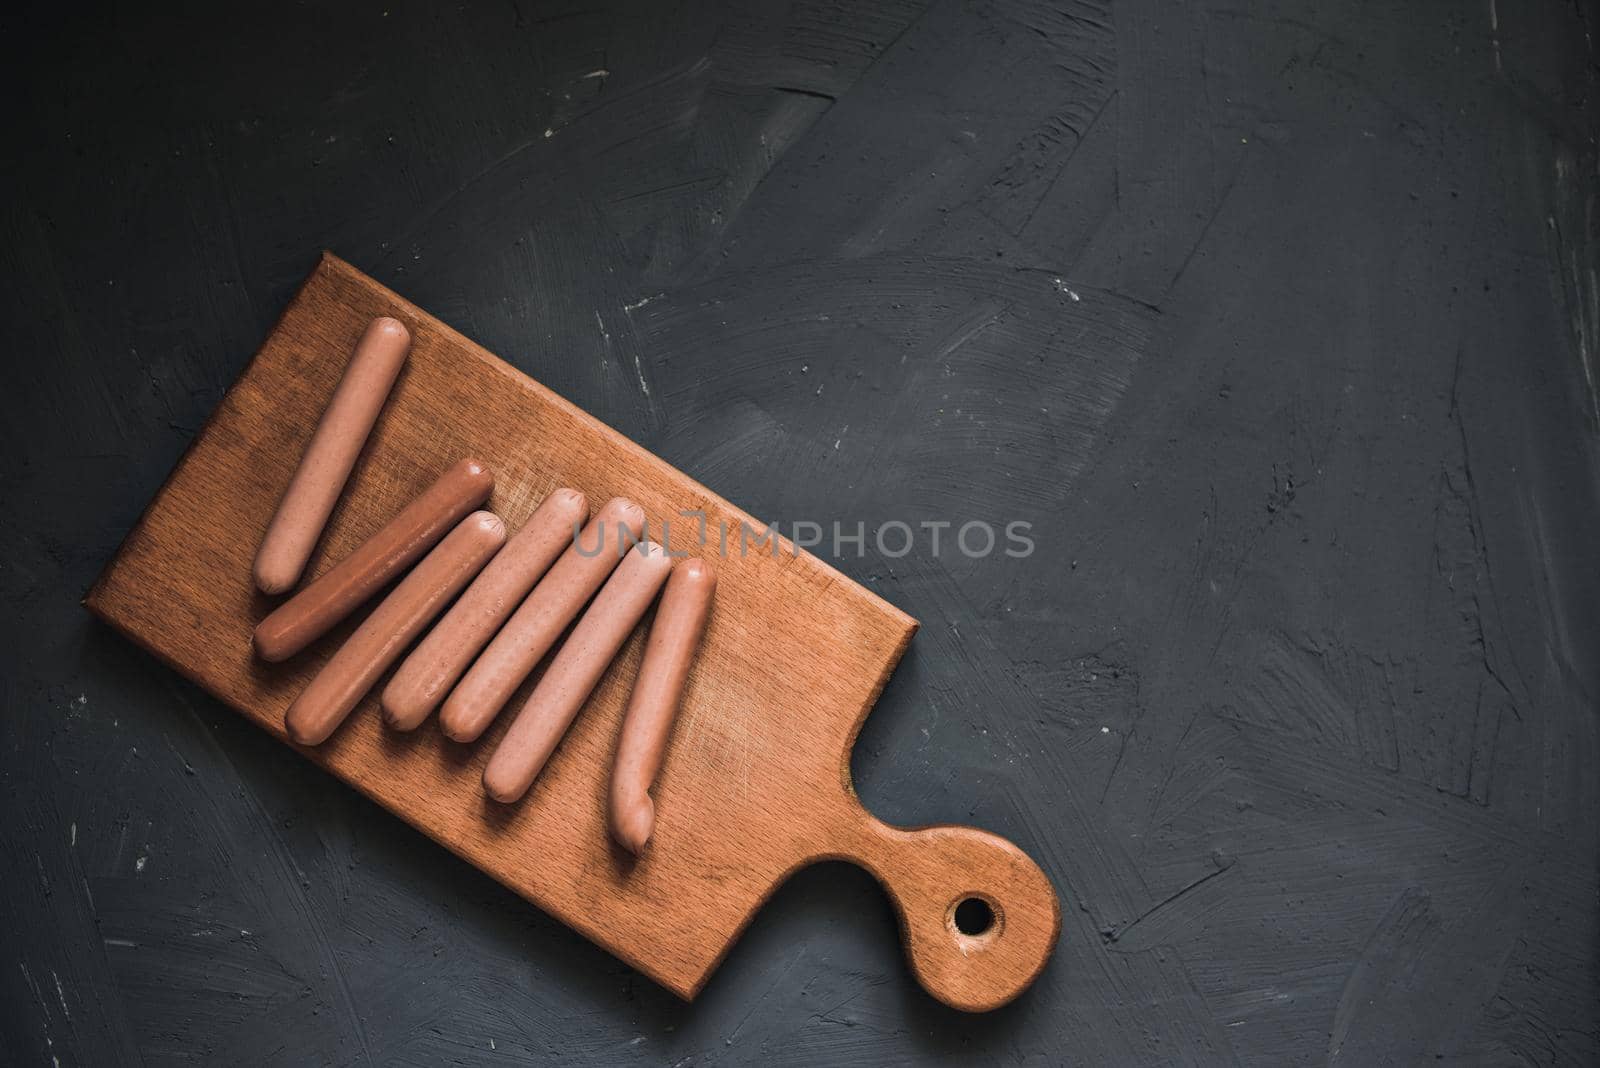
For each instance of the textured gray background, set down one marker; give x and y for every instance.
(1279, 320)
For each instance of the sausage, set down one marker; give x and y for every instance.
(435, 665)
(337, 592)
(674, 639)
(535, 626)
(393, 625)
(572, 675)
(332, 452)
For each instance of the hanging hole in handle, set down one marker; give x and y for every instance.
(976, 919)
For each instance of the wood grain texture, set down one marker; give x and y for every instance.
(756, 780)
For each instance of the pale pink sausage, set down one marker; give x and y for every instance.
(535, 626)
(674, 639)
(572, 675)
(332, 452)
(438, 661)
(337, 592)
(393, 625)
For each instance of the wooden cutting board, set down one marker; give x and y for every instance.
(756, 782)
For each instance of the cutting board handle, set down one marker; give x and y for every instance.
(978, 917)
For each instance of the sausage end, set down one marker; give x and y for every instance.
(455, 724)
(390, 328)
(400, 714)
(498, 789)
(301, 733)
(477, 475)
(269, 646)
(621, 511)
(489, 524)
(273, 578)
(569, 500)
(633, 824)
(696, 572)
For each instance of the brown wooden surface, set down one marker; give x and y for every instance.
(756, 782)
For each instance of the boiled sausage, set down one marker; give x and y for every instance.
(674, 638)
(337, 441)
(438, 661)
(534, 627)
(393, 625)
(334, 594)
(572, 675)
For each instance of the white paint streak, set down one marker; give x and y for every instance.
(638, 369)
(1494, 37)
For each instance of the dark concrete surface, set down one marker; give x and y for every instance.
(1279, 321)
